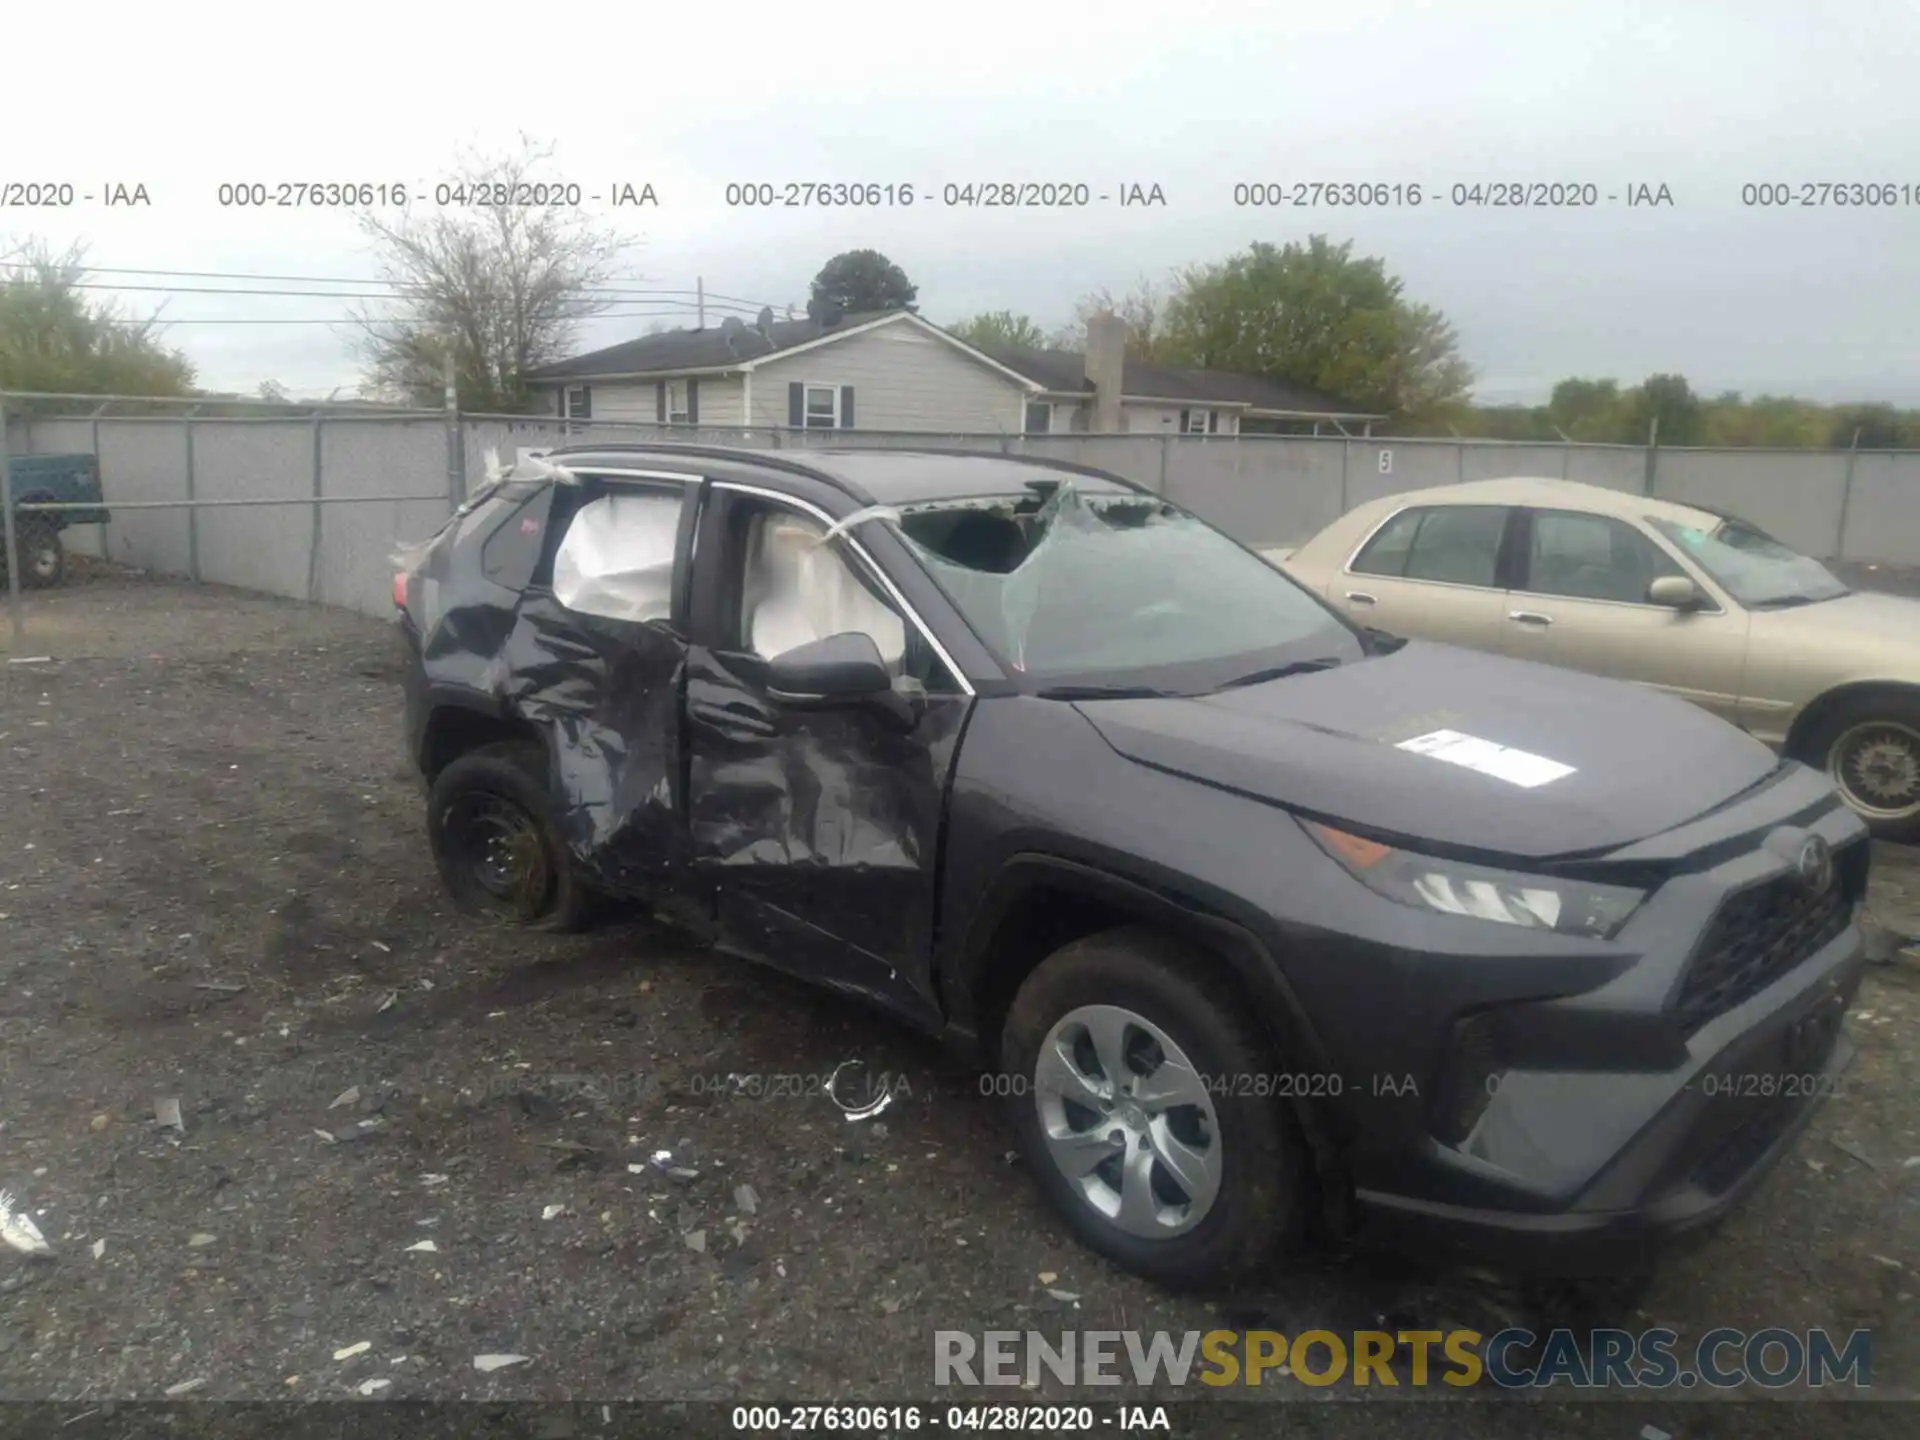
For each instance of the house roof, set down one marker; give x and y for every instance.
(1060, 372)
(712, 349)
(1064, 371)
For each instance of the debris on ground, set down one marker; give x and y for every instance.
(167, 1112)
(697, 1240)
(348, 1096)
(486, 1363)
(423, 1247)
(348, 1352)
(1065, 1297)
(553, 1212)
(18, 1230)
(372, 1387)
(200, 1241)
(354, 1130)
(746, 1199)
(858, 1109)
(99, 1248)
(185, 1387)
(1849, 1149)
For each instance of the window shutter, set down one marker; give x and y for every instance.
(1213, 422)
(796, 405)
(660, 401)
(846, 407)
(693, 401)
(1185, 416)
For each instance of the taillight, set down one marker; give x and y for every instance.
(400, 590)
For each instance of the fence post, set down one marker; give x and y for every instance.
(1345, 446)
(193, 510)
(1566, 461)
(456, 462)
(1459, 462)
(1653, 455)
(1166, 451)
(1846, 499)
(12, 539)
(313, 542)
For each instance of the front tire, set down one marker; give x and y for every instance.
(499, 853)
(1138, 1098)
(1870, 746)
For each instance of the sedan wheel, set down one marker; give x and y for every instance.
(1876, 764)
(1128, 1121)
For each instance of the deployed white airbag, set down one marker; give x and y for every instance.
(616, 559)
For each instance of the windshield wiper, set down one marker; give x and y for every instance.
(1109, 692)
(1280, 672)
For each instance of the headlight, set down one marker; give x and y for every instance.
(1450, 887)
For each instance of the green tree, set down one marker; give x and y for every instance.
(1880, 427)
(1669, 400)
(861, 280)
(55, 339)
(1001, 328)
(1587, 410)
(1316, 315)
(501, 288)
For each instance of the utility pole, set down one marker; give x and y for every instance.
(700, 302)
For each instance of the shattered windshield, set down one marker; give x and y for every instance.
(1118, 589)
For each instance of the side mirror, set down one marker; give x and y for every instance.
(1676, 592)
(845, 668)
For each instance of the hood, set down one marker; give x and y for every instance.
(1863, 623)
(1565, 763)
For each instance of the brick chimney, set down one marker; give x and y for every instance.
(1106, 360)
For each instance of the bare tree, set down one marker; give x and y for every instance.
(1144, 308)
(501, 284)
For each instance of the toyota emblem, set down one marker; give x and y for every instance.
(1814, 865)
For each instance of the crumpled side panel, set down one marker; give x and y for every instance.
(606, 696)
(831, 816)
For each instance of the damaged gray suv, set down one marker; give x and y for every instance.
(1260, 918)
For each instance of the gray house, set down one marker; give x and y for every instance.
(896, 371)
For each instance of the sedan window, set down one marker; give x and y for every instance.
(1453, 544)
(1592, 557)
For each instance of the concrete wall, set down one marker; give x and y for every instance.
(1265, 490)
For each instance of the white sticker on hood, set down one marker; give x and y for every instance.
(1516, 767)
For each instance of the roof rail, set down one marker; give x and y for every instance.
(781, 461)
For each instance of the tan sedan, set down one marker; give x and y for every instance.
(1692, 602)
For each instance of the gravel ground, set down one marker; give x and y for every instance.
(214, 889)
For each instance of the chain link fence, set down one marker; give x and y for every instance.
(308, 501)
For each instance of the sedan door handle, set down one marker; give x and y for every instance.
(1361, 597)
(1529, 617)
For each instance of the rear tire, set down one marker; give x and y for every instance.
(500, 855)
(1192, 1193)
(1869, 745)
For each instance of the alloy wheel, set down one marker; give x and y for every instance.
(1129, 1121)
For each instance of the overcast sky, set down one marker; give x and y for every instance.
(1701, 96)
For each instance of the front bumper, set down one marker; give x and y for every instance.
(1646, 1106)
(1726, 1125)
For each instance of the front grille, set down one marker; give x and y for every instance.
(1762, 933)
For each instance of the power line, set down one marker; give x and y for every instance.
(355, 320)
(398, 288)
